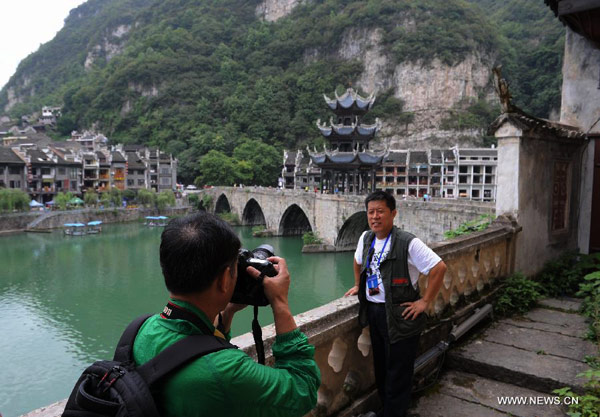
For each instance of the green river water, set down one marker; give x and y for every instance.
(65, 301)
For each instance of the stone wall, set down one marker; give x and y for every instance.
(56, 219)
(539, 185)
(343, 350)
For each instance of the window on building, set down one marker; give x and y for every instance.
(450, 180)
(400, 191)
(462, 193)
(489, 180)
(130, 183)
(477, 169)
(401, 180)
(378, 179)
(15, 170)
(489, 169)
(485, 158)
(389, 179)
(401, 170)
(46, 171)
(165, 170)
(74, 173)
(140, 182)
(476, 179)
(165, 181)
(474, 158)
(62, 170)
(450, 192)
(463, 169)
(450, 168)
(73, 186)
(487, 193)
(475, 193)
(389, 191)
(462, 179)
(15, 184)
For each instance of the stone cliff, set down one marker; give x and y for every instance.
(431, 91)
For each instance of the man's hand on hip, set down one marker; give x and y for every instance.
(414, 309)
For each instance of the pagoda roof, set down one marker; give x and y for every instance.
(346, 158)
(350, 99)
(348, 130)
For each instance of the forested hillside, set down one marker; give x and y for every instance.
(196, 76)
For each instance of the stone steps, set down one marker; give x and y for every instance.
(524, 357)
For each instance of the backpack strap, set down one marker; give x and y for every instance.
(124, 350)
(180, 353)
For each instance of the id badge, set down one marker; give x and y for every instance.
(372, 284)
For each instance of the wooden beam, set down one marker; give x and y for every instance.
(566, 7)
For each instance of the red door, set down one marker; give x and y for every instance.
(595, 226)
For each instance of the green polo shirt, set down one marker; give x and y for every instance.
(229, 382)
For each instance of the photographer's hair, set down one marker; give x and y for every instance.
(194, 250)
(380, 195)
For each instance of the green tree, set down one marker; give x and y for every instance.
(147, 198)
(216, 168)
(90, 197)
(264, 161)
(62, 200)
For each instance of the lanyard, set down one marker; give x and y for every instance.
(380, 254)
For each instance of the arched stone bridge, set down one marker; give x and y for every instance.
(338, 219)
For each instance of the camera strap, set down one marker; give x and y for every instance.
(175, 312)
(257, 334)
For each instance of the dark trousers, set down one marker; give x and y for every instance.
(393, 363)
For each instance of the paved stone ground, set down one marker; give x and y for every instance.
(524, 357)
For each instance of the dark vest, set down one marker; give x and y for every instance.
(397, 285)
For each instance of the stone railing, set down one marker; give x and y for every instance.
(343, 350)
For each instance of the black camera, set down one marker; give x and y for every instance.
(249, 290)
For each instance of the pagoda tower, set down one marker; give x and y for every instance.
(346, 164)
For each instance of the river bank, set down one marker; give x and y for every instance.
(43, 221)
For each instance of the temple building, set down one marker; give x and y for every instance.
(347, 166)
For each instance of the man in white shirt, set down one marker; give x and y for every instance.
(387, 263)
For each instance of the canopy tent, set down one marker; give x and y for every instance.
(34, 203)
(94, 223)
(76, 200)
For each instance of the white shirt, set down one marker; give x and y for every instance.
(421, 259)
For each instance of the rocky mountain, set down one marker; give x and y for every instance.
(196, 75)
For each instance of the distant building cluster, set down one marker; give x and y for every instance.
(32, 162)
(443, 173)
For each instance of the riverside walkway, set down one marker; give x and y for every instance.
(523, 358)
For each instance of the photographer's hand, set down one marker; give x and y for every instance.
(227, 316)
(276, 290)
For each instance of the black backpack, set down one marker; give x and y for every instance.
(119, 388)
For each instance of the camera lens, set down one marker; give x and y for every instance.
(263, 252)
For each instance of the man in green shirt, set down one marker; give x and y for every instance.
(198, 257)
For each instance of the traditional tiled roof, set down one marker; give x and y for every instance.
(346, 158)
(348, 130)
(418, 157)
(478, 152)
(7, 156)
(37, 157)
(534, 125)
(117, 157)
(134, 161)
(396, 157)
(350, 99)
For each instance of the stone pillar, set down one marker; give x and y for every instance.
(579, 107)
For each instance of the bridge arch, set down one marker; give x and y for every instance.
(222, 205)
(294, 222)
(351, 230)
(253, 214)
